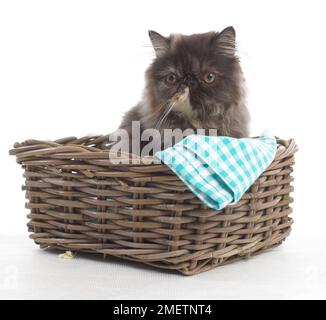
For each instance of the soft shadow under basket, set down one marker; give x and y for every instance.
(79, 200)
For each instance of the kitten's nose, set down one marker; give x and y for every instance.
(190, 81)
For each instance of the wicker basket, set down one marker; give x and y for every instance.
(80, 201)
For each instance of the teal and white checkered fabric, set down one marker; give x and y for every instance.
(219, 170)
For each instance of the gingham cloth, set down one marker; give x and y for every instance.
(219, 170)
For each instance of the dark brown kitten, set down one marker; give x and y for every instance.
(194, 82)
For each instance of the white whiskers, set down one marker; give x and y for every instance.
(164, 116)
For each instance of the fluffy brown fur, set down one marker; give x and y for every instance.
(179, 92)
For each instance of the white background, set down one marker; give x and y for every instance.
(74, 67)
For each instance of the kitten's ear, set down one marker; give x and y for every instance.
(160, 43)
(225, 40)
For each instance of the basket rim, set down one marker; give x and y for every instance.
(89, 147)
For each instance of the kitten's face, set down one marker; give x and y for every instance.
(196, 73)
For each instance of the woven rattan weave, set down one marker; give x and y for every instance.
(80, 200)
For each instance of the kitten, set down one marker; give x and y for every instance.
(195, 82)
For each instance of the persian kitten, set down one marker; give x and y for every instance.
(195, 82)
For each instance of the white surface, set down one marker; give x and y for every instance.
(64, 69)
(294, 270)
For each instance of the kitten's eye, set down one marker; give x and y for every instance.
(171, 78)
(210, 77)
